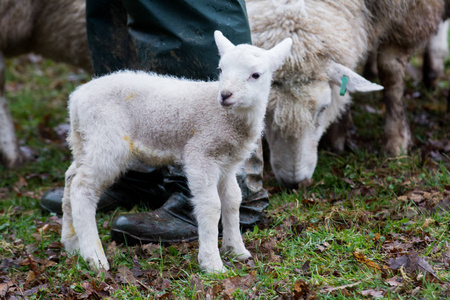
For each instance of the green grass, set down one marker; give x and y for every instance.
(361, 202)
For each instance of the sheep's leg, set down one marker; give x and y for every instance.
(391, 67)
(68, 237)
(203, 181)
(84, 195)
(434, 56)
(9, 150)
(230, 197)
(338, 132)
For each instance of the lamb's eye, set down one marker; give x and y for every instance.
(255, 75)
(220, 70)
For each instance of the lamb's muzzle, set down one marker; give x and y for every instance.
(225, 96)
(136, 116)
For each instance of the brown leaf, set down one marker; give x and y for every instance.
(394, 281)
(374, 293)
(412, 263)
(302, 291)
(446, 257)
(329, 289)
(20, 183)
(415, 291)
(197, 285)
(231, 284)
(4, 288)
(125, 276)
(30, 278)
(364, 260)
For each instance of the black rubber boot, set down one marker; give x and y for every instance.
(255, 198)
(172, 222)
(175, 222)
(132, 188)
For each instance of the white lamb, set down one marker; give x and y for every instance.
(210, 127)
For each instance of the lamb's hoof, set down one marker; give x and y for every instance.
(244, 255)
(71, 244)
(241, 254)
(216, 269)
(95, 264)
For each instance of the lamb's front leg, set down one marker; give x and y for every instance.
(203, 185)
(230, 197)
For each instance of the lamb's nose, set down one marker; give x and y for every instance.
(226, 95)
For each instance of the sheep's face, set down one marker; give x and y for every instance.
(298, 115)
(293, 139)
(246, 73)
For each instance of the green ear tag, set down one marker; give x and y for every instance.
(344, 85)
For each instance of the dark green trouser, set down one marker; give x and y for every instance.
(168, 37)
(174, 37)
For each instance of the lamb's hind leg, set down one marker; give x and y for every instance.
(10, 154)
(68, 237)
(391, 67)
(230, 197)
(85, 189)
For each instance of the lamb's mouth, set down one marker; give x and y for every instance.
(226, 103)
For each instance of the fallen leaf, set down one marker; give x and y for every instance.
(364, 260)
(30, 278)
(412, 263)
(374, 293)
(303, 291)
(394, 281)
(415, 291)
(126, 276)
(329, 289)
(4, 288)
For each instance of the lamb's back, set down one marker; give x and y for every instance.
(158, 112)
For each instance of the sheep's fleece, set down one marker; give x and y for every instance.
(55, 29)
(330, 39)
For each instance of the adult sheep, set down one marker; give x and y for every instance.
(54, 29)
(329, 35)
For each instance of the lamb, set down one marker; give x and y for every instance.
(331, 38)
(54, 29)
(127, 116)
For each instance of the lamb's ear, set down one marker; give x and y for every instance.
(349, 80)
(279, 53)
(223, 44)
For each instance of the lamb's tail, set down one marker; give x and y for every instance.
(74, 138)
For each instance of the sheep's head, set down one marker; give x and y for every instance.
(298, 115)
(246, 72)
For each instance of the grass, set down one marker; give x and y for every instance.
(362, 203)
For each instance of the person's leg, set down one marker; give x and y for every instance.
(112, 49)
(177, 39)
(174, 39)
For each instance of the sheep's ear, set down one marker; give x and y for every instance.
(223, 44)
(349, 80)
(279, 53)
